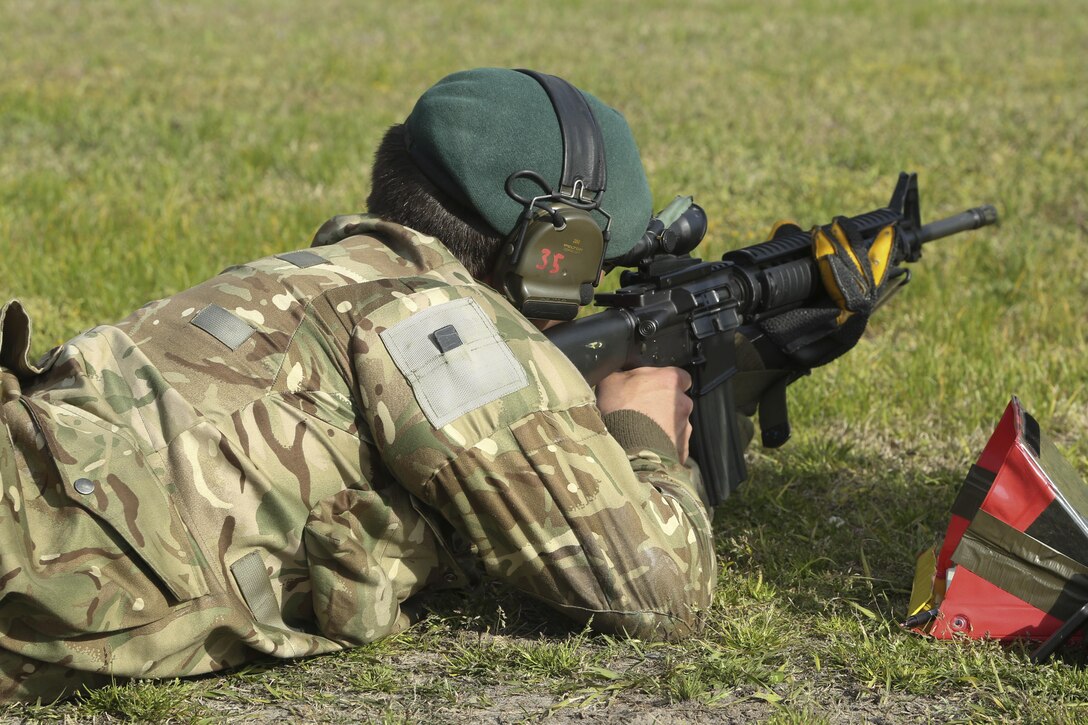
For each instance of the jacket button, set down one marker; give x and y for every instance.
(84, 485)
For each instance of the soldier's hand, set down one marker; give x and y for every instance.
(850, 271)
(658, 393)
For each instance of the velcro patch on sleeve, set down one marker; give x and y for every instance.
(302, 259)
(454, 359)
(223, 325)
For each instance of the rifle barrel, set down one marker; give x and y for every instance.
(974, 218)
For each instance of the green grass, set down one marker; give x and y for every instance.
(145, 146)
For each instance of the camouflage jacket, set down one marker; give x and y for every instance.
(275, 462)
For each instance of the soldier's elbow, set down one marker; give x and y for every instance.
(657, 607)
(650, 626)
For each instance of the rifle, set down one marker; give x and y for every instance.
(677, 310)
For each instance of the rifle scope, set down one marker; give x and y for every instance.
(677, 229)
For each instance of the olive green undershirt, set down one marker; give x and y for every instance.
(634, 430)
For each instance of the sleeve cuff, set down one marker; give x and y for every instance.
(637, 430)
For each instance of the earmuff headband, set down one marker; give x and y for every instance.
(583, 144)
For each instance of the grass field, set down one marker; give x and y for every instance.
(146, 145)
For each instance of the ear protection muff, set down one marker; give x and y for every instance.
(553, 258)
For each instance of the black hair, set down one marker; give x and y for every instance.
(400, 193)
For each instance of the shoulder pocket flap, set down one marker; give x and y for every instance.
(454, 358)
(110, 478)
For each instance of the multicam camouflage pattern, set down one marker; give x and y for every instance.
(144, 464)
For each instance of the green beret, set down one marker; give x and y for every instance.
(472, 129)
